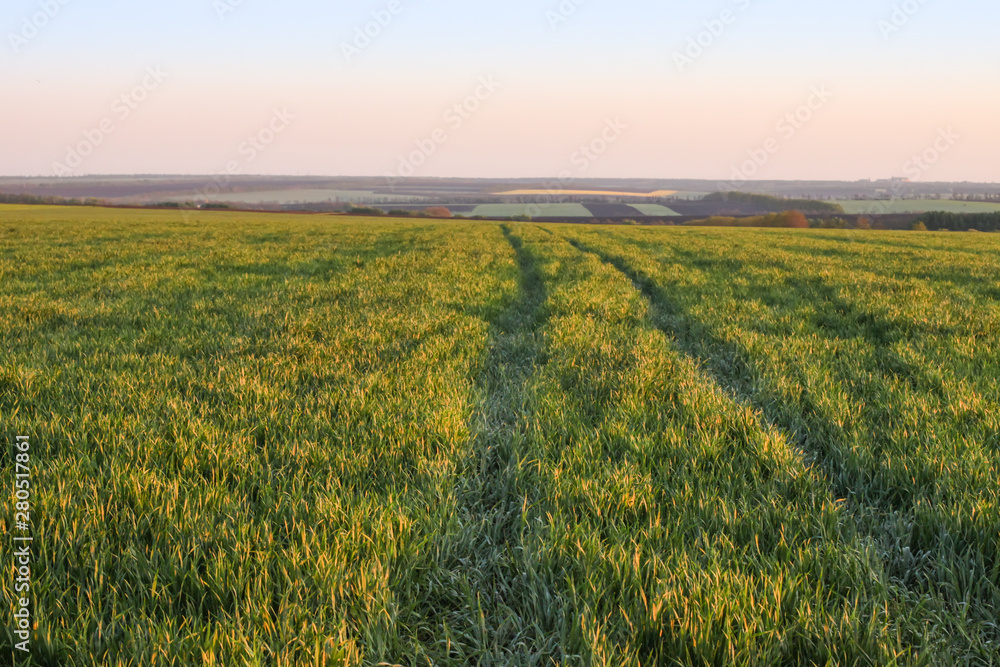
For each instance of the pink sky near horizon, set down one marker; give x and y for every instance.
(360, 119)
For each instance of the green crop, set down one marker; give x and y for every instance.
(322, 440)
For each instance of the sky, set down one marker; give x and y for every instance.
(728, 89)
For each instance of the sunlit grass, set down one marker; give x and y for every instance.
(285, 440)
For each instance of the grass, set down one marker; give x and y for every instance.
(289, 440)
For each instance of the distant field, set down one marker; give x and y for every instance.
(308, 440)
(568, 210)
(547, 210)
(303, 196)
(653, 209)
(600, 193)
(854, 207)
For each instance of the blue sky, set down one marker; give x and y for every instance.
(698, 112)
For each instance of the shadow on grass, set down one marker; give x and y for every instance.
(477, 598)
(877, 497)
(732, 369)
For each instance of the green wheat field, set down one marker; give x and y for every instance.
(321, 440)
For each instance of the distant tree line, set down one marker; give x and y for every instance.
(786, 219)
(35, 200)
(960, 222)
(430, 212)
(774, 204)
(991, 196)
